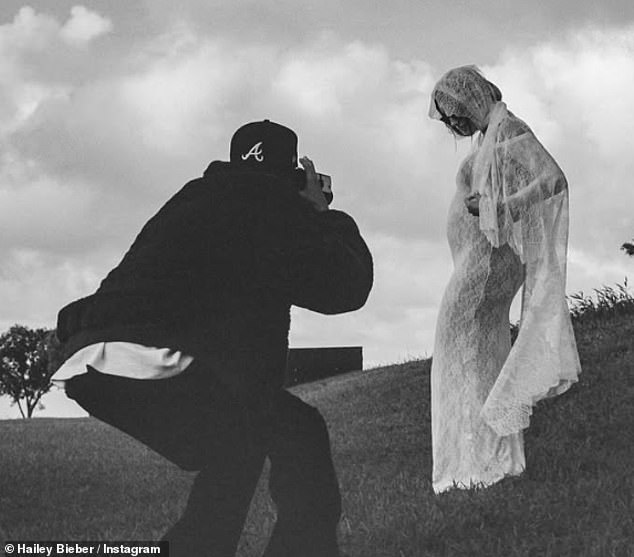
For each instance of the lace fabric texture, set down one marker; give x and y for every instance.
(524, 204)
(483, 390)
(472, 343)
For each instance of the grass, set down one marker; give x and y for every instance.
(80, 479)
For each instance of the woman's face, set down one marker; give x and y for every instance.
(460, 125)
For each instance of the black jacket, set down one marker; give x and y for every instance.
(215, 271)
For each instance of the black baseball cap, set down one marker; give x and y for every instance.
(264, 145)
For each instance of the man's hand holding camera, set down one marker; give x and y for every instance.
(313, 193)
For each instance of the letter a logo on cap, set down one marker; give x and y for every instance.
(255, 151)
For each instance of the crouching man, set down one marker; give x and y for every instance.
(183, 346)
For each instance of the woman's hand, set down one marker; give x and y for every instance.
(312, 192)
(472, 203)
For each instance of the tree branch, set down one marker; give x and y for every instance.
(17, 401)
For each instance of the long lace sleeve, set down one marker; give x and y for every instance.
(524, 202)
(549, 183)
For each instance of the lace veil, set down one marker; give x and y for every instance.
(523, 203)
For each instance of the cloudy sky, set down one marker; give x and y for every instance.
(108, 108)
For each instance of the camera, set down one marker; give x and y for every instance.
(325, 183)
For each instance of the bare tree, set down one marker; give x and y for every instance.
(25, 367)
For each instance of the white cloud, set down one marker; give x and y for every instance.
(28, 31)
(593, 270)
(30, 215)
(33, 31)
(328, 77)
(35, 284)
(187, 88)
(84, 25)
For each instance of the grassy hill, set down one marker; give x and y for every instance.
(80, 479)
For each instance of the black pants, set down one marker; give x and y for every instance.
(195, 422)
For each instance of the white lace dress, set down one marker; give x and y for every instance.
(482, 390)
(471, 345)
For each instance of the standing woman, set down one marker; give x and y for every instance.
(507, 228)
